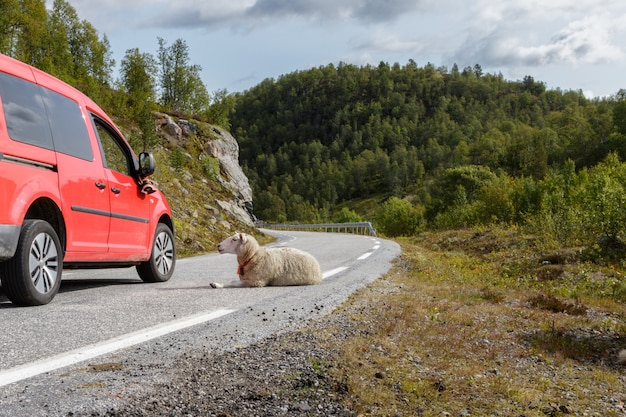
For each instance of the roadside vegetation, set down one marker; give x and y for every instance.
(483, 322)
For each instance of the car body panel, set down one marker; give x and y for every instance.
(103, 216)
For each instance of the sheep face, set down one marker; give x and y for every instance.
(232, 244)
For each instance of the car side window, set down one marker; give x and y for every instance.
(41, 117)
(114, 156)
(69, 131)
(24, 112)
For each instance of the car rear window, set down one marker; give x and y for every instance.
(41, 117)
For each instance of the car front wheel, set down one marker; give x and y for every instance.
(160, 266)
(33, 276)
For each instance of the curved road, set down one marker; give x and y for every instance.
(106, 317)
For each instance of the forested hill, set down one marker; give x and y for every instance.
(314, 139)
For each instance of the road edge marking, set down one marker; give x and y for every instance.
(332, 272)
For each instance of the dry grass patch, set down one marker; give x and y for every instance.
(555, 305)
(451, 331)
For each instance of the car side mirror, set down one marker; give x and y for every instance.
(146, 164)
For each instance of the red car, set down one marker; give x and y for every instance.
(73, 194)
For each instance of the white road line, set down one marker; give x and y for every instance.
(72, 357)
(368, 254)
(333, 272)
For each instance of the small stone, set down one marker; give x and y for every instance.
(303, 406)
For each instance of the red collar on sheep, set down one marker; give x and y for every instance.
(240, 270)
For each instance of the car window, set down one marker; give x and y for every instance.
(114, 156)
(24, 112)
(69, 131)
(41, 117)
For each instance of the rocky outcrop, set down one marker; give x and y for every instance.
(219, 144)
(225, 149)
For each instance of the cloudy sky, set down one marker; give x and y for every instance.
(572, 45)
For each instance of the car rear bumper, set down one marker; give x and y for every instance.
(9, 236)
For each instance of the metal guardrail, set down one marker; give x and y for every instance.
(361, 228)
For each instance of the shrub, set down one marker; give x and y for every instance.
(210, 167)
(177, 159)
(604, 198)
(347, 216)
(397, 217)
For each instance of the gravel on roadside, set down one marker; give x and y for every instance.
(282, 375)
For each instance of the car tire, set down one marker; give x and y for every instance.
(33, 275)
(160, 266)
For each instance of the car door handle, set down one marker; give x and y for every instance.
(100, 185)
(116, 190)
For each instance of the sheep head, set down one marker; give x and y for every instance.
(232, 243)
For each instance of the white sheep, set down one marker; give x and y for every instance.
(260, 267)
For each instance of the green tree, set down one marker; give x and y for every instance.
(140, 86)
(77, 53)
(398, 217)
(33, 36)
(575, 133)
(181, 86)
(10, 23)
(270, 207)
(101, 60)
(466, 181)
(496, 201)
(604, 199)
(488, 149)
(222, 105)
(346, 215)
(619, 112)
(59, 57)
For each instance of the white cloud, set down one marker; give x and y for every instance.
(538, 11)
(383, 41)
(220, 8)
(590, 40)
(225, 13)
(544, 33)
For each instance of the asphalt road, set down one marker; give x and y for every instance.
(101, 318)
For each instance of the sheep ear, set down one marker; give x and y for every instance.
(242, 236)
